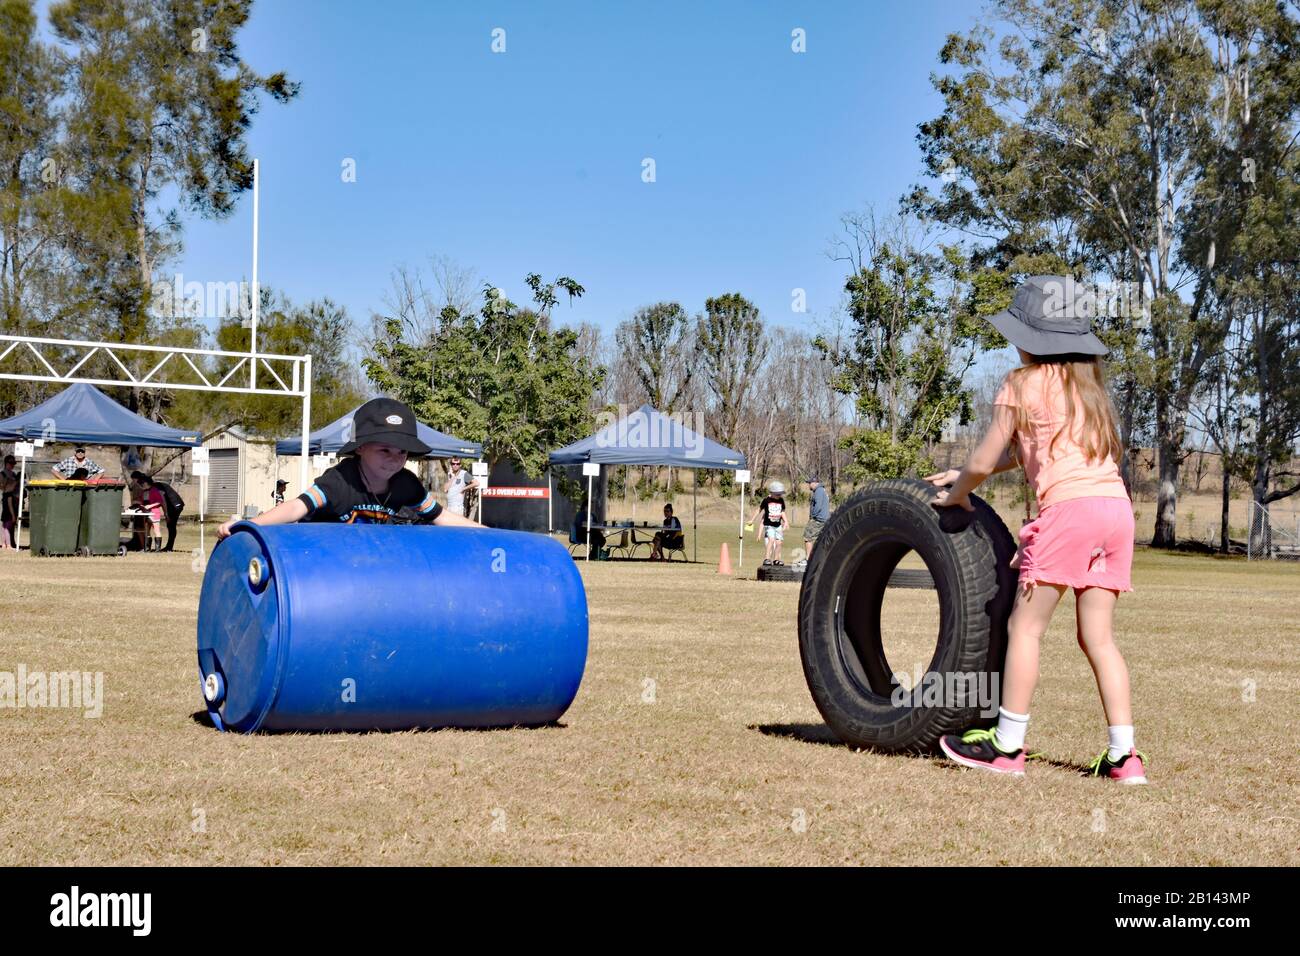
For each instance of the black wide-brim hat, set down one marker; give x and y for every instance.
(1051, 315)
(388, 421)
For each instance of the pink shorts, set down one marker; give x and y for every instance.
(1081, 543)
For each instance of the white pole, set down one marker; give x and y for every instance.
(203, 497)
(740, 562)
(257, 294)
(550, 500)
(589, 477)
(22, 484)
(303, 463)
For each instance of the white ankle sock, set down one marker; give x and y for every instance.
(1121, 741)
(1010, 735)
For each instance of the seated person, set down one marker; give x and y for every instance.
(580, 531)
(670, 537)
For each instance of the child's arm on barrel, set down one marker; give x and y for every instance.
(447, 519)
(286, 512)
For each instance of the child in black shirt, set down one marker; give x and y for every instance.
(772, 530)
(372, 486)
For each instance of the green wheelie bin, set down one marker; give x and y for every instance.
(55, 508)
(101, 517)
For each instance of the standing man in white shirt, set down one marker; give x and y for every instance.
(459, 481)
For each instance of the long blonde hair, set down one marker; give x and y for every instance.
(1084, 379)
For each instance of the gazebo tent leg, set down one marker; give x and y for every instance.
(695, 525)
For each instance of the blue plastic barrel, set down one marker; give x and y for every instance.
(368, 627)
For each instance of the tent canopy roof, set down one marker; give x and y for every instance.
(330, 438)
(649, 437)
(82, 413)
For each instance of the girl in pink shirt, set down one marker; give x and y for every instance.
(1053, 417)
(152, 501)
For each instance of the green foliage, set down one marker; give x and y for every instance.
(321, 329)
(502, 377)
(1125, 141)
(732, 347)
(909, 349)
(160, 98)
(876, 455)
(656, 341)
(32, 194)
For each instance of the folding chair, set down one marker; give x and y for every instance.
(674, 544)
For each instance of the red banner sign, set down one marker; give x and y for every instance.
(505, 491)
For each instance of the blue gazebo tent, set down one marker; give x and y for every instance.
(83, 414)
(332, 437)
(649, 437)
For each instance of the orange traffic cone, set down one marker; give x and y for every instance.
(724, 560)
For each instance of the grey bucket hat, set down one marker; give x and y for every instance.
(1051, 315)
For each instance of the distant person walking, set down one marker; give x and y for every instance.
(277, 496)
(819, 512)
(77, 466)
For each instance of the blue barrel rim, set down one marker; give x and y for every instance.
(281, 636)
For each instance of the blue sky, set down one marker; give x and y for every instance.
(531, 159)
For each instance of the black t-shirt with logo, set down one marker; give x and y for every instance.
(340, 495)
(773, 508)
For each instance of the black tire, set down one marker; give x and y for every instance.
(778, 573)
(966, 556)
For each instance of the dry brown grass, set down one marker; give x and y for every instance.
(716, 770)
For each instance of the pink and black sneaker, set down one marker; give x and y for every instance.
(976, 748)
(1130, 768)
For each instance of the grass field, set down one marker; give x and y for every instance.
(693, 739)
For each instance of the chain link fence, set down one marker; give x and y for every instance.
(1274, 533)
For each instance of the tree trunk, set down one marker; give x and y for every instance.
(1168, 447)
(1261, 534)
(1223, 517)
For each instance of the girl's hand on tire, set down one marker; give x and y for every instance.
(944, 500)
(944, 477)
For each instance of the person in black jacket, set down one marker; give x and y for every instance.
(173, 503)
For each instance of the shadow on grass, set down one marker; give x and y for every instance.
(204, 719)
(822, 735)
